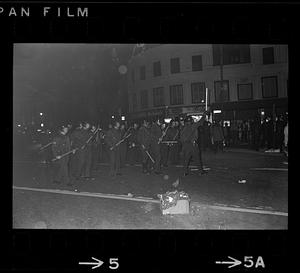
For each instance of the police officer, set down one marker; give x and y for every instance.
(47, 155)
(165, 147)
(156, 138)
(144, 139)
(95, 143)
(123, 145)
(61, 145)
(189, 135)
(113, 136)
(77, 159)
(173, 135)
(87, 152)
(133, 149)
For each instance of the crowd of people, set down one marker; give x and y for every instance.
(76, 150)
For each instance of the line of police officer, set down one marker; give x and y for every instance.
(76, 150)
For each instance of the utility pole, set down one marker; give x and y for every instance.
(222, 87)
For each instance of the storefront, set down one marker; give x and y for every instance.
(249, 109)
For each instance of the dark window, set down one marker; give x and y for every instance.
(176, 94)
(134, 102)
(245, 91)
(269, 87)
(144, 99)
(221, 91)
(175, 65)
(132, 75)
(156, 69)
(142, 72)
(198, 92)
(158, 96)
(268, 55)
(197, 63)
(232, 54)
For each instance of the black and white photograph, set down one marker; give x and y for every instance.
(150, 136)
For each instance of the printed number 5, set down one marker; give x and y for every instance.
(248, 259)
(114, 263)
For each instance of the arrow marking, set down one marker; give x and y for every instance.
(97, 264)
(233, 263)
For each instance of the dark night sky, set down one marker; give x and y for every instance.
(67, 82)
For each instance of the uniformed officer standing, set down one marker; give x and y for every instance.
(133, 149)
(47, 155)
(173, 134)
(77, 159)
(87, 152)
(144, 139)
(156, 134)
(180, 128)
(164, 147)
(61, 145)
(123, 145)
(95, 143)
(189, 135)
(113, 136)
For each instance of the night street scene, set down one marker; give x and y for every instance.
(150, 136)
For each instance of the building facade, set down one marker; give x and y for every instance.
(242, 80)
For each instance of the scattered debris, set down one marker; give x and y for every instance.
(174, 202)
(273, 151)
(40, 224)
(148, 207)
(242, 181)
(176, 183)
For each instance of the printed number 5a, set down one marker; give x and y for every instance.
(114, 264)
(248, 262)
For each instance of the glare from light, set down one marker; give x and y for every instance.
(217, 111)
(41, 114)
(167, 120)
(19, 125)
(39, 130)
(42, 124)
(112, 116)
(123, 118)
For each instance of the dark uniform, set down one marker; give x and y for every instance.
(61, 146)
(87, 154)
(173, 135)
(77, 159)
(156, 133)
(188, 137)
(144, 140)
(95, 143)
(133, 149)
(123, 147)
(164, 147)
(200, 141)
(112, 137)
(47, 154)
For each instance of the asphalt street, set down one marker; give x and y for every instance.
(265, 187)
